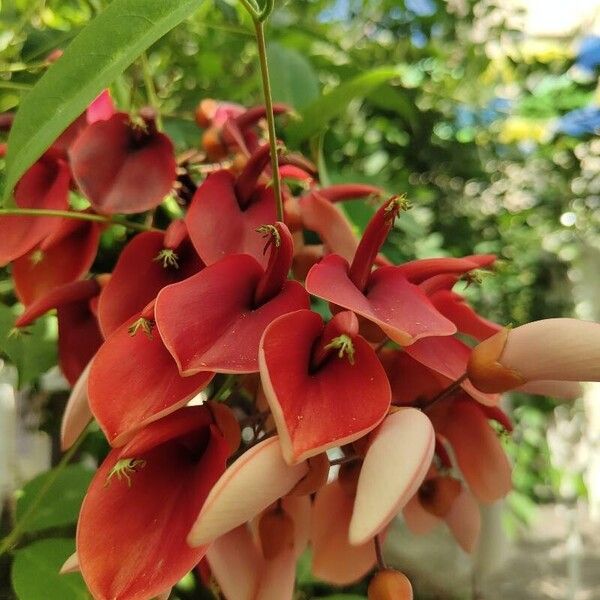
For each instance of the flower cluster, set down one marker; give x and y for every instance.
(244, 423)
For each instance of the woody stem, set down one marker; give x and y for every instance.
(379, 552)
(68, 214)
(453, 387)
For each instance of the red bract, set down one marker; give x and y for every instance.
(324, 383)
(63, 256)
(384, 297)
(78, 333)
(417, 271)
(142, 502)
(226, 211)
(215, 319)
(149, 262)
(134, 380)
(44, 186)
(123, 167)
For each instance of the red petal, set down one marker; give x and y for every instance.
(400, 308)
(214, 205)
(478, 451)
(455, 308)
(131, 539)
(335, 405)
(208, 322)
(134, 381)
(448, 356)
(67, 255)
(138, 277)
(334, 559)
(45, 185)
(120, 169)
(418, 271)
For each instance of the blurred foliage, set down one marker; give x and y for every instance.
(482, 130)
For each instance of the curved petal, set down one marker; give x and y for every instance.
(464, 520)
(393, 469)
(77, 413)
(66, 256)
(251, 484)
(122, 168)
(45, 185)
(121, 556)
(134, 381)
(209, 321)
(139, 275)
(417, 519)
(334, 559)
(215, 203)
(278, 577)
(316, 410)
(400, 308)
(236, 564)
(417, 271)
(478, 451)
(563, 390)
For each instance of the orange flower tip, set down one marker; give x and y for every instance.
(71, 565)
(390, 585)
(141, 324)
(485, 370)
(124, 470)
(348, 476)
(168, 258)
(205, 112)
(344, 346)
(315, 479)
(227, 424)
(276, 532)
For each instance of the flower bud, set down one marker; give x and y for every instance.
(390, 585)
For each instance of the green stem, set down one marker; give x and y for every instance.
(14, 536)
(12, 85)
(264, 70)
(151, 94)
(68, 214)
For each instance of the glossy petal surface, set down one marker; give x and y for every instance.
(334, 405)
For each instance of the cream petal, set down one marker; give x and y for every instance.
(236, 564)
(253, 482)
(394, 468)
(562, 390)
(464, 520)
(71, 565)
(299, 508)
(278, 577)
(563, 349)
(77, 413)
(334, 559)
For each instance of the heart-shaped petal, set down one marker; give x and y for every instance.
(316, 409)
(398, 307)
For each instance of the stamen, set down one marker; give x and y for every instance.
(168, 257)
(36, 257)
(271, 235)
(141, 324)
(343, 344)
(124, 468)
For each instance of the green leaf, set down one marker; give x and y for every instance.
(32, 351)
(103, 49)
(62, 502)
(318, 114)
(35, 572)
(293, 80)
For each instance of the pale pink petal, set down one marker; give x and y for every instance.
(278, 577)
(334, 559)
(71, 565)
(236, 564)
(464, 520)
(77, 413)
(299, 508)
(165, 595)
(563, 390)
(417, 519)
(394, 467)
(564, 349)
(252, 483)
